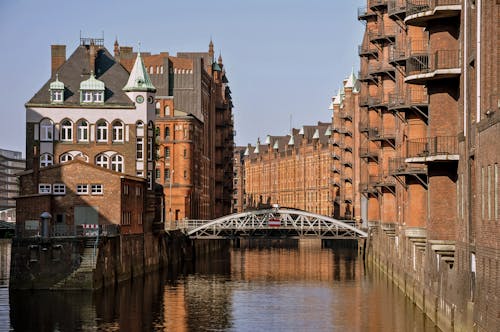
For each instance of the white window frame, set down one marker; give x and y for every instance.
(59, 189)
(118, 131)
(82, 189)
(46, 130)
(139, 148)
(97, 189)
(57, 96)
(102, 131)
(117, 163)
(82, 131)
(66, 131)
(102, 160)
(44, 188)
(87, 96)
(46, 159)
(98, 96)
(64, 158)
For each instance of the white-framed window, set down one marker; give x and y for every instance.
(117, 163)
(102, 131)
(65, 158)
(140, 148)
(157, 108)
(82, 189)
(117, 131)
(66, 131)
(59, 189)
(102, 160)
(98, 96)
(150, 148)
(97, 189)
(82, 131)
(166, 152)
(46, 130)
(57, 96)
(139, 174)
(87, 96)
(44, 188)
(46, 159)
(139, 129)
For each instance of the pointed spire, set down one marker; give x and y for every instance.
(337, 100)
(211, 49)
(116, 49)
(328, 131)
(276, 145)
(351, 80)
(291, 141)
(256, 151)
(316, 134)
(268, 140)
(139, 79)
(219, 60)
(247, 152)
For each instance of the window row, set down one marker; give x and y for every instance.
(114, 162)
(60, 189)
(87, 189)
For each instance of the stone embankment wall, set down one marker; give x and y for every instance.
(435, 285)
(73, 263)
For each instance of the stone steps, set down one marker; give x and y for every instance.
(82, 277)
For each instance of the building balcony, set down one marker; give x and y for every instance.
(420, 12)
(334, 141)
(397, 55)
(366, 50)
(335, 182)
(396, 9)
(377, 4)
(381, 68)
(347, 163)
(345, 115)
(364, 13)
(363, 101)
(368, 153)
(368, 187)
(348, 148)
(438, 65)
(364, 126)
(382, 134)
(336, 170)
(432, 149)
(384, 181)
(347, 179)
(398, 166)
(364, 76)
(335, 156)
(411, 97)
(384, 34)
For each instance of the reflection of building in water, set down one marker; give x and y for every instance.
(306, 263)
(4, 262)
(174, 308)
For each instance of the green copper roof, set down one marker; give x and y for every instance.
(57, 85)
(216, 67)
(139, 79)
(92, 84)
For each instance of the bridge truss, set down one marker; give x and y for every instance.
(273, 223)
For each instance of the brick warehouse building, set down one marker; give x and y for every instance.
(194, 131)
(429, 123)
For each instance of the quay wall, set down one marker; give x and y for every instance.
(70, 263)
(435, 285)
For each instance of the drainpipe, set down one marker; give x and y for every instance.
(478, 61)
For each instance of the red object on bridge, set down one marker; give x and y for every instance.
(274, 222)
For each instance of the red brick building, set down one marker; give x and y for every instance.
(430, 111)
(194, 131)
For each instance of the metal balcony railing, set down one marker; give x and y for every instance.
(432, 146)
(396, 7)
(418, 6)
(364, 13)
(384, 181)
(442, 59)
(367, 153)
(380, 67)
(367, 49)
(377, 3)
(396, 53)
(384, 32)
(382, 133)
(409, 97)
(398, 166)
(345, 115)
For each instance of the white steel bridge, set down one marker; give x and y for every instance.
(272, 223)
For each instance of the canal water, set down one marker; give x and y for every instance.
(257, 287)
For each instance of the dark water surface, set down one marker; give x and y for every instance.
(258, 288)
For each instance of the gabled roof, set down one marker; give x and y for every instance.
(77, 69)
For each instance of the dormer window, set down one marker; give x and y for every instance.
(57, 91)
(92, 91)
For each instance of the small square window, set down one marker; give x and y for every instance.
(82, 189)
(44, 188)
(97, 189)
(59, 189)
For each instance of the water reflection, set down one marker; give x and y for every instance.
(252, 288)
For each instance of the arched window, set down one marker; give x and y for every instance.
(117, 131)
(166, 153)
(65, 158)
(46, 159)
(167, 132)
(157, 108)
(66, 131)
(117, 163)
(102, 161)
(102, 131)
(82, 133)
(46, 130)
(139, 129)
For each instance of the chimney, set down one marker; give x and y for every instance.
(92, 56)
(58, 57)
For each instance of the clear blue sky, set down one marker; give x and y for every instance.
(282, 57)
